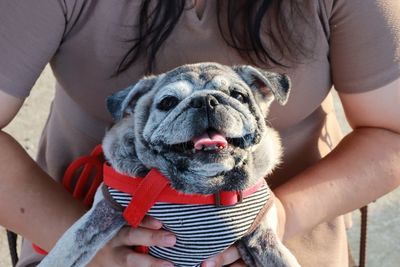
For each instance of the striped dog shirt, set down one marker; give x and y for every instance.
(202, 230)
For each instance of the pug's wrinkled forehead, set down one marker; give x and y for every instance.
(185, 80)
(214, 74)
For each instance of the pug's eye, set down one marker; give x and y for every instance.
(239, 96)
(168, 103)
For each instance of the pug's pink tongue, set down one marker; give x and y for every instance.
(209, 139)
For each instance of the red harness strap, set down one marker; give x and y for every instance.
(86, 184)
(146, 195)
(156, 188)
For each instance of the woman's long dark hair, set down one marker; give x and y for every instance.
(242, 25)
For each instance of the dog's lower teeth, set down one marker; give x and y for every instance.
(209, 148)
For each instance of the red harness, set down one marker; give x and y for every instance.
(155, 187)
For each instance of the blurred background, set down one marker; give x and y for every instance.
(384, 214)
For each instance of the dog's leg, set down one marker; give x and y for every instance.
(262, 248)
(80, 243)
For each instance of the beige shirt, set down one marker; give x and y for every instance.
(357, 48)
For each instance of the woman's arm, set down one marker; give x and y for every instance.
(32, 204)
(363, 167)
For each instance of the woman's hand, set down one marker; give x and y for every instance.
(119, 251)
(231, 256)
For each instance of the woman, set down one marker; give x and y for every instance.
(98, 47)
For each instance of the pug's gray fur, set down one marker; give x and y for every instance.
(146, 137)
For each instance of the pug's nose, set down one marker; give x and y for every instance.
(208, 101)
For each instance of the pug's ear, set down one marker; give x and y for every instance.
(123, 101)
(266, 82)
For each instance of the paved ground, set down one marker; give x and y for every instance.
(384, 226)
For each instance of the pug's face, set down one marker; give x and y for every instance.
(202, 125)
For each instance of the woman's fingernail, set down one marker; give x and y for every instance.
(169, 239)
(209, 263)
(155, 225)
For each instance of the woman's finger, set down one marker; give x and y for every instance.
(125, 257)
(129, 236)
(226, 257)
(238, 263)
(151, 223)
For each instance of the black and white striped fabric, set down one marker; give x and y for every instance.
(201, 230)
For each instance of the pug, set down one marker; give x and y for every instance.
(202, 129)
